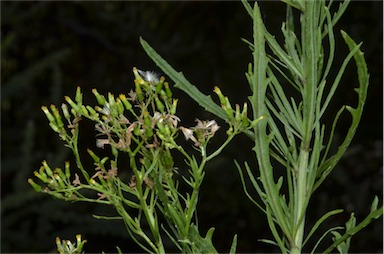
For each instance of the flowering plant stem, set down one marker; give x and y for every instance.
(286, 128)
(144, 127)
(291, 132)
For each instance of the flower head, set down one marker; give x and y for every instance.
(149, 76)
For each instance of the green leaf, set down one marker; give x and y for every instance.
(355, 229)
(234, 245)
(182, 83)
(318, 223)
(201, 245)
(363, 77)
(323, 236)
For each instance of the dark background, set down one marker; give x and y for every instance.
(48, 48)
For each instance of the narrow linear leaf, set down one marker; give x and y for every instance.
(371, 216)
(356, 113)
(321, 220)
(183, 84)
(234, 245)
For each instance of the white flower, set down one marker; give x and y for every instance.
(188, 134)
(149, 76)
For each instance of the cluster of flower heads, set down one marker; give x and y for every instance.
(154, 122)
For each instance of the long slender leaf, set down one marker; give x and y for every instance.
(182, 83)
(233, 245)
(356, 113)
(321, 220)
(371, 216)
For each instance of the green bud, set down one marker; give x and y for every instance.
(47, 169)
(149, 132)
(137, 75)
(84, 111)
(64, 107)
(147, 120)
(104, 160)
(159, 105)
(136, 131)
(48, 114)
(168, 90)
(159, 85)
(237, 114)
(57, 195)
(93, 155)
(244, 116)
(67, 170)
(93, 182)
(174, 106)
(139, 92)
(220, 95)
(119, 106)
(54, 127)
(92, 112)
(35, 186)
(115, 152)
(111, 100)
(79, 96)
(57, 116)
(100, 98)
(125, 101)
(41, 175)
(72, 104)
(59, 172)
(228, 108)
(160, 126)
(59, 180)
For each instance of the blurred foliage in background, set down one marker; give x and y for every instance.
(48, 48)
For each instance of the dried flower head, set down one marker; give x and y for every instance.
(149, 76)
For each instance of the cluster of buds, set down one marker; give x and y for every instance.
(238, 119)
(67, 247)
(57, 181)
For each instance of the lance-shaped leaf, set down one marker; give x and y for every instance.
(182, 83)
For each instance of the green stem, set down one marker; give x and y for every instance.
(300, 201)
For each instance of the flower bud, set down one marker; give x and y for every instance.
(75, 107)
(139, 92)
(92, 112)
(244, 116)
(84, 111)
(237, 114)
(59, 180)
(41, 175)
(64, 107)
(48, 170)
(57, 116)
(48, 114)
(125, 101)
(120, 106)
(67, 170)
(174, 106)
(100, 98)
(93, 155)
(111, 100)
(159, 85)
(79, 96)
(115, 152)
(168, 90)
(220, 95)
(228, 108)
(35, 186)
(159, 105)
